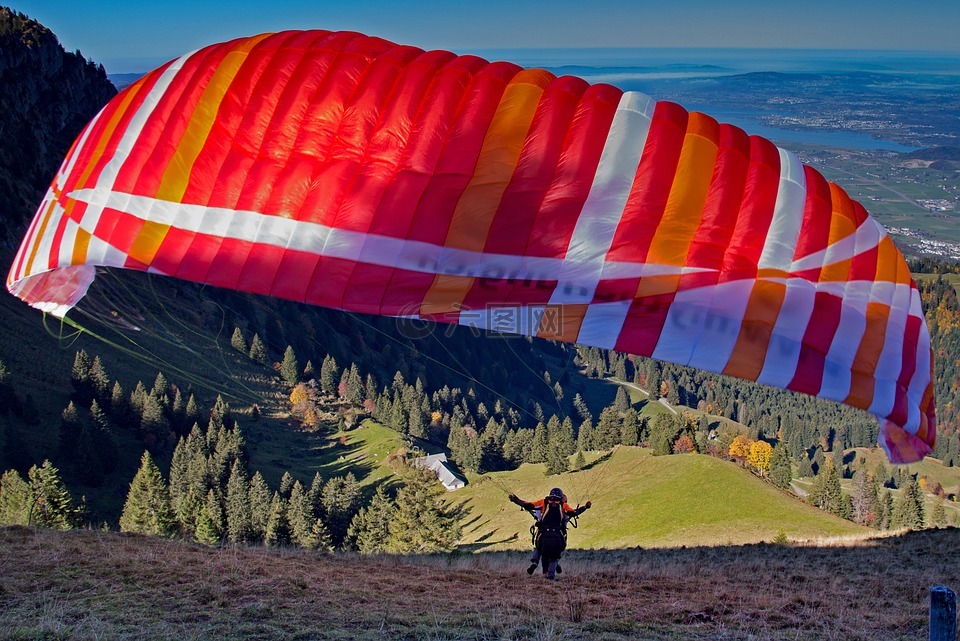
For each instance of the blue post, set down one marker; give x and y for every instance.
(943, 614)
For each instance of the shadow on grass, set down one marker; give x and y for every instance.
(600, 461)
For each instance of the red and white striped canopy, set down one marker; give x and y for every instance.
(346, 171)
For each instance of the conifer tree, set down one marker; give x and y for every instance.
(119, 406)
(580, 462)
(308, 371)
(178, 412)
(908, 508)
(161, 390)
(355, 388)
(663, 432)
(278, 525)
(147, 509)
(302, 519)
(238, 515)
(585, 436)
(369, 531)
(422, 522)
(210, 521)
(289, 368)
(99, 381)
(865, 504)
(15, 499)
(102, 439)
(153, 420)
(179, 464)
(257, 350)
(238, 342)
(938, 518)
(51, 504)
(565, 441)
(630, 428)
(581, 406)
(192, 413)
(286, 486)
(80, 377)
(557, 462)
(340, 499)
(781, 471)
(607, 433)
(323, 541)
(260, 507)
(328, 375)
(622, 401)
(541, 444)
(137, 398)
(826, 493)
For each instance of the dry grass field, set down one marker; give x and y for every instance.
(103, 585)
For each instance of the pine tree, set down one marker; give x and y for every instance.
(301, 517)
(369, 531)
(865, 504)
(663, 432)
(51, 504)
(607, 434)
(308, 371)
(557, 462)
(153, 421)
(106, 447)
(585, 436)
(886, 509)
(565, 441)
(147, 509)
(238, 516)
(580, 462)
(622, 401)
(908, 508)
(340, 499)
(257, 350)
(321, 537)
(238, 342)
(289, 368)
(260, 507)
(286, 486)
(278, 525)
(938, 518)
(541, 444)
(192, 413)
(99, 381)
(80, 377)
(826, 493)
(328, 375)
(16, 500)
(137, 398)
(630, 428)
(119, 406)
(210, 522)
(781, 471)
(161, 390)
(423, 523)
(70, 428)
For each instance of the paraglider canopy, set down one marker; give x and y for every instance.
(346, 171)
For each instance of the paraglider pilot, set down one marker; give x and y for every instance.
(551, 514)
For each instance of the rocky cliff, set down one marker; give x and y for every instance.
(46, 97)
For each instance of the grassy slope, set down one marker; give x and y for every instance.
(103, 585)
(644, 500)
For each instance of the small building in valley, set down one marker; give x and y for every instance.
(437, 463)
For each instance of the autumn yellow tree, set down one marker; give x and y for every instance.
(740, 447)
(759, 457)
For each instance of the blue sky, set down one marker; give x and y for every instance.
(130, 36)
